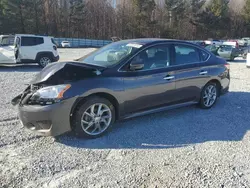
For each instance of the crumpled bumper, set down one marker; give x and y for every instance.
(50, 120)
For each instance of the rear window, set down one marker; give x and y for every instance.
(32, 41)
(39, 41)
(53, 41)
(185, 54)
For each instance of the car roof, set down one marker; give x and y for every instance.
(31, 35)
(148, 41)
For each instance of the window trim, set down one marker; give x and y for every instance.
(129, 60)
(39, 38)
(196, 49)
(170, 43)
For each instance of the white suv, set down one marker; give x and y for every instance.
(35, 49)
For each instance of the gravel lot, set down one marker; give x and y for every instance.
(187, 147)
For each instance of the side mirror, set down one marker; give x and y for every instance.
(136, 65)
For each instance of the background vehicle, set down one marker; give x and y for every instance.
(248, 60)
(35, 49)
(233, 43)
(7, 40)
(213, 41)
(227, 52)
(7, 49)
(242, 42)
(65, 44)
(213, 48)
(119, 81)
(200, 43)
(247, 39)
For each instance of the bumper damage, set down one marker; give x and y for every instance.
(49, 120)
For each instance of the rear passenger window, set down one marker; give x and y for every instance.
(204, 55)
(32, 41)
(39, 40)
(185, 54)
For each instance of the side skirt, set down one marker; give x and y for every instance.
(156, 110)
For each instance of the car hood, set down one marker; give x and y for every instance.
(67, 71)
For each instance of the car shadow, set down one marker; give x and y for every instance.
(227, 121)
(20, 68)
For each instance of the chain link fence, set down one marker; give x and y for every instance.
(82, 43)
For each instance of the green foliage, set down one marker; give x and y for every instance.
(183, 19)
(214, 19)
(218, 8)
(246, 10)
(142, 22)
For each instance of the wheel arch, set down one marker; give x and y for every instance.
(40, 54)
(107, 96)
(217, 82)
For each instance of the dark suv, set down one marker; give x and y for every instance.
(122, 80)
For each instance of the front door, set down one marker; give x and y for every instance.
(152, 87)
(226, 52)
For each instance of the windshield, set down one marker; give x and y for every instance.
(111, 54)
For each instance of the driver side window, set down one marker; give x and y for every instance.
(154, 57)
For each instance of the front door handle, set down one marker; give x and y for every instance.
(169, 78)
(203, 72)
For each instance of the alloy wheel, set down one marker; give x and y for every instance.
(96, 119)
(44, 61)
(210, 95)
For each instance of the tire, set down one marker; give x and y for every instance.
(232, 58)
(214, 96)
(82, 118)
(44, 60)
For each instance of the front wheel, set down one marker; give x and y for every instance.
(209, 96)
(93, 118)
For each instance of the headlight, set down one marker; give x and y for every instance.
(49, 95)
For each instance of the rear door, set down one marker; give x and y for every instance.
(226, 52)
(188, 73)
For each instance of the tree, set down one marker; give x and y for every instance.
(246, 14)
(214, 19)
(143, 22)
(182, 19)
(76, 17)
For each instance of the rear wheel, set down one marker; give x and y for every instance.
(93, 118)
(43, 61)
(209, 96)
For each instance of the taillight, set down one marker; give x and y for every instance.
(55, 48)
(227, 66)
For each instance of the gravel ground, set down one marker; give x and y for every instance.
(187, 147)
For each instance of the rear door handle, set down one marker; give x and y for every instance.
(203, 72)
(169, 78)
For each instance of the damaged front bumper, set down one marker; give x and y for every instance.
(46, 120)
